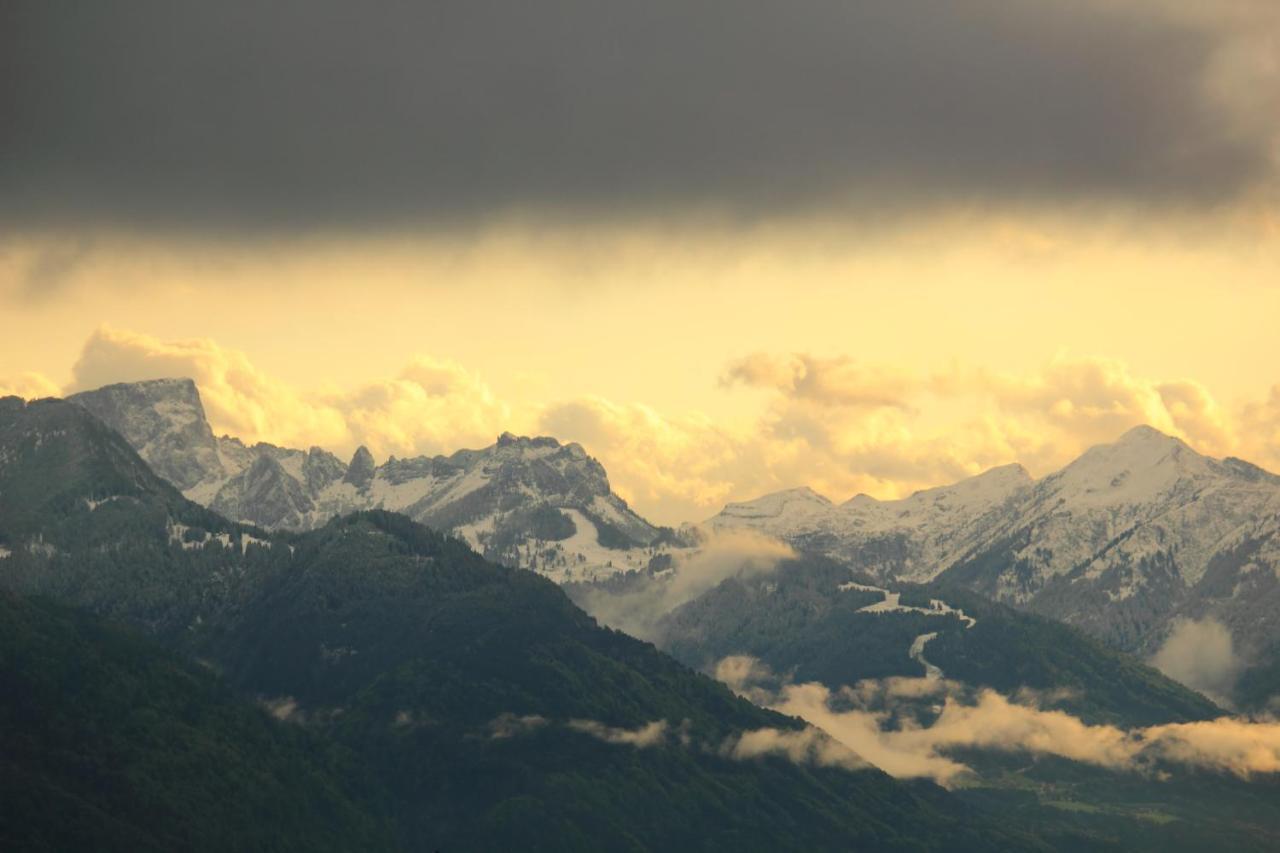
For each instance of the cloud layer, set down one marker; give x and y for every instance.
(909, 727)
(866, 427)
(235, 116)
(638, 610)
(875, 720)
(433, 406)
(837, 424)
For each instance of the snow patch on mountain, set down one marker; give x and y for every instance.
(497, 497)
(1122, 542)
(912, 538)
(92, 504)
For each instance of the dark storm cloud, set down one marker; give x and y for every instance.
(52, 267)
(319, 113)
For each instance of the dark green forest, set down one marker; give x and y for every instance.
(392, 655)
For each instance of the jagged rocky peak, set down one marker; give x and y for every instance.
(541, 462)
(492, 496)
(535, 442)
(264, 494)
(362, 469)
(320, 468)
(538, 445)
(164, 419)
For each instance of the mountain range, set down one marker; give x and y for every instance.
(529, 502)
(442, 700)
(422, 697)
(890, 669)
(1124, 542)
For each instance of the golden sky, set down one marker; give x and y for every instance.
(845, 245)
(700, 366)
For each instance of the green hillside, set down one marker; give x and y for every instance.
(383, 640)
(108, 742)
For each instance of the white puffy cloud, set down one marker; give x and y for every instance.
(688, 464)
(826, 381)
(433, 406)
(838, 425)
(239, 399)
(844, 426)
(1261, 421)
(29, 386)
(1232, 745)
(1082, 402)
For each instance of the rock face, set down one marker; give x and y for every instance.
(532, 502)
(1135, 534)
(164, 420)
(1123, 542)
(264, 494)
(362, 469)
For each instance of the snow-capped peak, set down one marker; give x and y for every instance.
(981, 490)
(790, 505)
(1141, 466)
(526, 500)
(1146, 434)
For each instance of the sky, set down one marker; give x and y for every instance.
(729, 247)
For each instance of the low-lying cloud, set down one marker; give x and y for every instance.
(510, 725)
(655, 733)
(1201, 655)
(717, 557)
(875, 724)
(650, 734)
(876, 721)
(809, 745)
